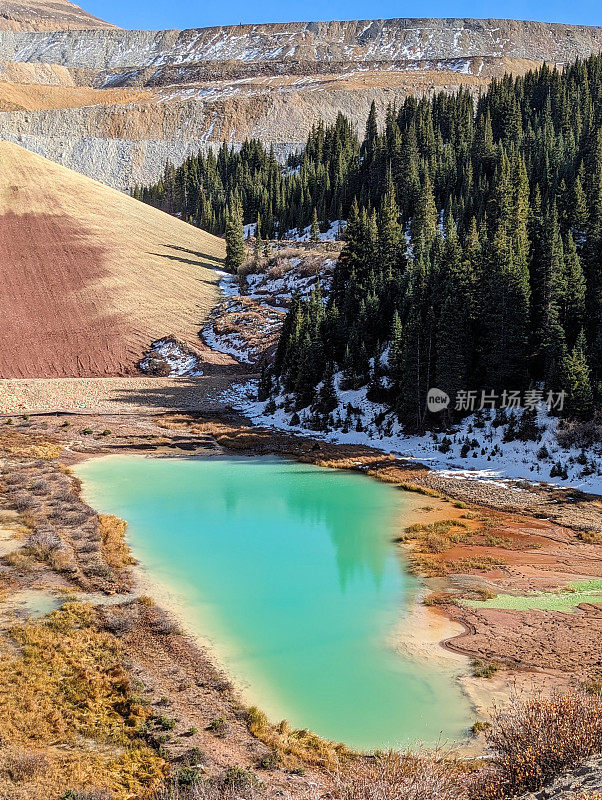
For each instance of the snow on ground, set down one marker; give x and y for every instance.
(247, 325)
(233, 344)
(277, 289)
(333, 233)
(475, 450)
(243, 328)
(174, 355)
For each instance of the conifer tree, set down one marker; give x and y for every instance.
(579, 389)
(235, 244)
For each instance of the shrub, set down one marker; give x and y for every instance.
(590, 537)
(25, 502)
(217, 726)
(44, 538)
(480, 669)
(480, 726)
(115, 549)
(538, 738)
(239, 778)
(167, 723)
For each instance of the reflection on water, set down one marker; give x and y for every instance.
(289, 569)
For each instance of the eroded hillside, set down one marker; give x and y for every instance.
(91, 277)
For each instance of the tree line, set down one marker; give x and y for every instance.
(473, 246)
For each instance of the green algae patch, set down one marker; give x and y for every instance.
(564, 600)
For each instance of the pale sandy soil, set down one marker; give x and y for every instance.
(30, 96)
(111, 395)
(90, 276)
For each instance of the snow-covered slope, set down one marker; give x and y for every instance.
(482, 448)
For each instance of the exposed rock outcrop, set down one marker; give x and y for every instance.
(584, 782)
(228, 83)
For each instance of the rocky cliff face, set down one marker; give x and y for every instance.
(199, 87)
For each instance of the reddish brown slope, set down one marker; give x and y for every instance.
(46, 15)
(90, 276)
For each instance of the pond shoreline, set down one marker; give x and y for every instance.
(486, 634)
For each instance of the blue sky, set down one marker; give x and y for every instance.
(155, 14)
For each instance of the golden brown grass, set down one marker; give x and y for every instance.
(294, 748)
(433, 567)
(65, 697)
(20, 444)
(115, 549)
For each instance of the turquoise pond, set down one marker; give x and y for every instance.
(289, 572)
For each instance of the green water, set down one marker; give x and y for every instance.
(576, 593)
(289, 571)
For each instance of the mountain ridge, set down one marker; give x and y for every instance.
(46, 15)
(196, 88)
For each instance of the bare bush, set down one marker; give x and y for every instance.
(40, 486)
(119, 623)
(399, 776)
(45, 538)
(537, 739)
(163, 624)
(585, 435)
(235, 784)
(15, 479)
(25, 502)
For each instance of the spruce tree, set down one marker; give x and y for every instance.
(235, 243)
(579, 390)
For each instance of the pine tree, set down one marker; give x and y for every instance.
(579, 389)
(235, 243)
(314, 235)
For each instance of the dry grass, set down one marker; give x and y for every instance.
(536, 740)
(65, 698)
(398, 776)
(294, 748)
(115, 549)
(432, 567)
(19, 444)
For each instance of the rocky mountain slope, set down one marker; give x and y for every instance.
(46, 15)
(91, 277)
(189, 89)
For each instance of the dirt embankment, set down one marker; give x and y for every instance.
(90, 276)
